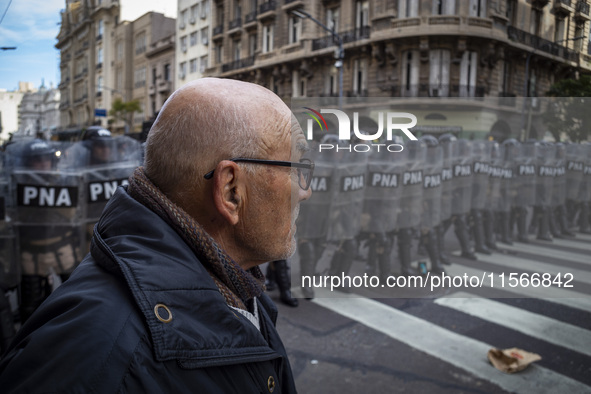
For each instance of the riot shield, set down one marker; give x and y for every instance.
(462, 177)
(446, 179)
(100, 181)
(382, 193)
(575, 165)
(546, 171)
(411, 205)
(497, 173)
(313, 219)
(348, 189)
(585, 189)
(507, 192)
(525, 174)
(481, 156)
(559, 191)
(46, 211)
(9, 267)
(433, 164)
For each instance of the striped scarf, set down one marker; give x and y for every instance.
(236, 285)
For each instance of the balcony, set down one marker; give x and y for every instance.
(217, 31)
(348, 36)
(539, 3)
(582, 12)
(250, 19)
(267, 9)
(439, 90)
(291, 4)
(80, 100)
(234, 26)
(99, 94)
(562, 7)
(99, 37)
(99, 66)
(151, 90)
(64, 83)
(238, 64)
(541, 44)
(64, 105)
(164, 87)
(81, 74)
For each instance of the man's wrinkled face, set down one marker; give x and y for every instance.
(275, 199)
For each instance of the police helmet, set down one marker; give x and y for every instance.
(430, 141)
(38, 150)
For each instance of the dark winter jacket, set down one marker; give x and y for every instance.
(99, 333)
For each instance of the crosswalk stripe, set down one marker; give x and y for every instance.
(586, 237)
(528, 323)
(463, 352)
(543, 251)
(555, 295)
(535, 266)
(568, 243)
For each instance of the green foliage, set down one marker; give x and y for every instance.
(124, 110)
(569, 112)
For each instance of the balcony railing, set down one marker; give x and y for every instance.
(439, 90)
(267, 6)
(218, 30)
(582, 11)
(236, 23)
(235, 65)
(250, 17)
(541, 44)
(348, 36)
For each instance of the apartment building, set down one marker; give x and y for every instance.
(495, 51)
(38, 113)
(193, 34)
(153, 62)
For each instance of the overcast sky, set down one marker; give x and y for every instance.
(32, 26)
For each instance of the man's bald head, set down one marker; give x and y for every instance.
(209, 120)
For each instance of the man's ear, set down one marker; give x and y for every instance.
(227, 190)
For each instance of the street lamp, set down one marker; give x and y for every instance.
(340, 55)
(524, 128)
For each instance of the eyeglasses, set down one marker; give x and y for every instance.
(305, 168)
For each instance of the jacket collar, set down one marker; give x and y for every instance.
(161, 270)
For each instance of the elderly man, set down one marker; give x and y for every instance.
(170, 299)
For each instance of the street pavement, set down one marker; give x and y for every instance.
(423, 341)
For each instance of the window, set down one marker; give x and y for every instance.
(183, 19)
(478, 8)
(252, 44)
(512, 12)
(154, 75)
(506, 80)
(182, 70)
(99, 56)
(100, 29)
(140, 43)
(219, 11)
(204, 36)
(140, 77)
(408, 8)
(298, 85)
(444, 7)
(410, 73)
(468, 68)
(559, 30)
(194, 13)
(268, 38)
(219, 52)
(193, 38)
(332, 18)
(204, 9)
(99, 84)
(167, 72)
(361, 14)
(578, 44)
(237, 50)
(119, 51)
(184, 43)
(359, 77)
(203, 64)
(439, 60)
(237, 9)
(193, 66)
(294, 29)
(535, 23)
(331, 86)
